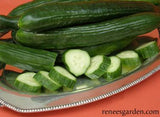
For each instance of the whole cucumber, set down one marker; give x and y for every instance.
(18, 11)
(55, 15)
(102, 49)
(91, 34)
(26, 58)
(29, 5)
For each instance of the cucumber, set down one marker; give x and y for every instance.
(98, 66)
(130, 60)
(91, 34)
(2, 65)
(7, 23)
(25, 82)
(156, 2)
(62, 76)
(77, 61)
(102, 49)
(114, 70)
(43, 78)
(29, 5)
(18, 11)
(26, 58)
(55, 15)
(148, 50)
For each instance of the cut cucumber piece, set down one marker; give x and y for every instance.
(77, 61)
(25, 82)
(148, 50)
(114, 70)
(130, 60)
(98, 66)
(43, 78)
(62, 76)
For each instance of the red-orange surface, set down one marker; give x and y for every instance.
(144, 96)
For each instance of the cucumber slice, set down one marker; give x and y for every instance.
(114, 70)
(148, 50)
(43, 78)
(130, 60)
(98, 66)
(62, 76)
(25, 82)
(77, 61)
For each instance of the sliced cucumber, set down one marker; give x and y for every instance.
(98, 66)
(43, 78)
(114, 70)
(77, 61)
(130, 60)
(148, 50)
(26, 82)
(62, 76)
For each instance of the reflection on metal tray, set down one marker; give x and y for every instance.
(85, 91)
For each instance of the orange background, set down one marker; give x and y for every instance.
(142, 96)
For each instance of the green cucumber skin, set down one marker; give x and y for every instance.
(57, 15)
(131, 62)
(148, 52)
(156, 2)
(29, 5)
(24, 87)
(2, 65)
(63, 81)
(101, 70)
(92, 34)
(108, 48)
(110, 76)
(7, 24)
(26, 58)
(46, 82)
(103, 49)
(18, 11)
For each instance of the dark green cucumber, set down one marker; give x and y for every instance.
(91, 34)
(62, 76)
(26, 58)
(43, 78)
(54, 15)
(18, 11)
(25, 82)
(114, 70)
(7, 23)
(29, 5)
(102, 49)
(130, 60)
(148, 50)
(156, 2)
(2, 65)
(98, 66)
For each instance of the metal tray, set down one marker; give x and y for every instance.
(85, 91)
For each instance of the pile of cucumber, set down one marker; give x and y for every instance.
(57, 41)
